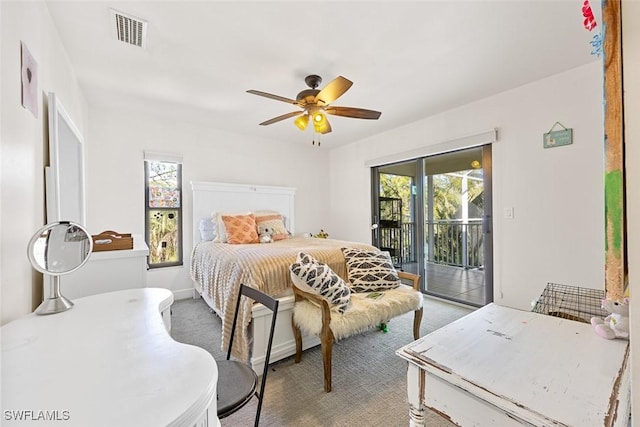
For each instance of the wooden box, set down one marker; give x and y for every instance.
(112, 241)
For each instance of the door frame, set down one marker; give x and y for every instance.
(487, 220)
(420, 214)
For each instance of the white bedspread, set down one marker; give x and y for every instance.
(220, 268)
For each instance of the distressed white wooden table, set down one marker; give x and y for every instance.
(504, 367)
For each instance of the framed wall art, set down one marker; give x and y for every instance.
(29, 80)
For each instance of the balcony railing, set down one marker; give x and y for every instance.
(454, 242)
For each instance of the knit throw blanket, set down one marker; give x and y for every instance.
(220, 268)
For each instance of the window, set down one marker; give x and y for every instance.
(163, 210)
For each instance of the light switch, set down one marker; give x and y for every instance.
(508, 213)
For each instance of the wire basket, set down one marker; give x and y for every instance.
(571, 302)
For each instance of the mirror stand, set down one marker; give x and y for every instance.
(56, 303)
(57, 249)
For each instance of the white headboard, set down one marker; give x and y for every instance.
(219, 196)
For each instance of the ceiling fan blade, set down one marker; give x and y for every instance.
(282, 117)
(333, 90)
(357, 113)
(272, 96)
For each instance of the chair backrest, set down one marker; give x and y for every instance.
(271, 304)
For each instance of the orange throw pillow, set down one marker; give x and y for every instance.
(240, 228)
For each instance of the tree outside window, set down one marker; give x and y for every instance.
(163, 209)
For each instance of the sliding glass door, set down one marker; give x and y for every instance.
(395, 213)
(457, 210)
(433, 215)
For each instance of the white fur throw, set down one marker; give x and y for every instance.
(363, 314)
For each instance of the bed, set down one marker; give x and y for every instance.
(217, 269)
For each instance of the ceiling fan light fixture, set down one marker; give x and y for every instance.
(302, 121)
(316, 103)
(320, 123)
(319, 118)
(321, 128)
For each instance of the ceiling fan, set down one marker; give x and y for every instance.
(315, 104)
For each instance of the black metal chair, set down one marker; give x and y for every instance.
(237, 381)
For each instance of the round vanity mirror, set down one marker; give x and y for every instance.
(56, 249)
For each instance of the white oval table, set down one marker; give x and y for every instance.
(109, 361)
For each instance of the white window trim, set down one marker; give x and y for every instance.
(158, 156)
(469, 141)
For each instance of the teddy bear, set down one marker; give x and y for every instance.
(615, 325)
(265, 233)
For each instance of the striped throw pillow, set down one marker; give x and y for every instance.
(276, 223)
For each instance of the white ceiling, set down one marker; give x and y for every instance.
(408, 60)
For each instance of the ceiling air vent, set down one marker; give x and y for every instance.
(129, 29)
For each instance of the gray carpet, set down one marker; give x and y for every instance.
(369, 380)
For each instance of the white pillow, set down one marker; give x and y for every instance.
(207, 229)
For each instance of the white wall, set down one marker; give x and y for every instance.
(115, 175)
(24, 145)
(631, 63)
(557, 194)
(557, 234)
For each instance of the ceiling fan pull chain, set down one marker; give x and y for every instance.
(313, 141)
